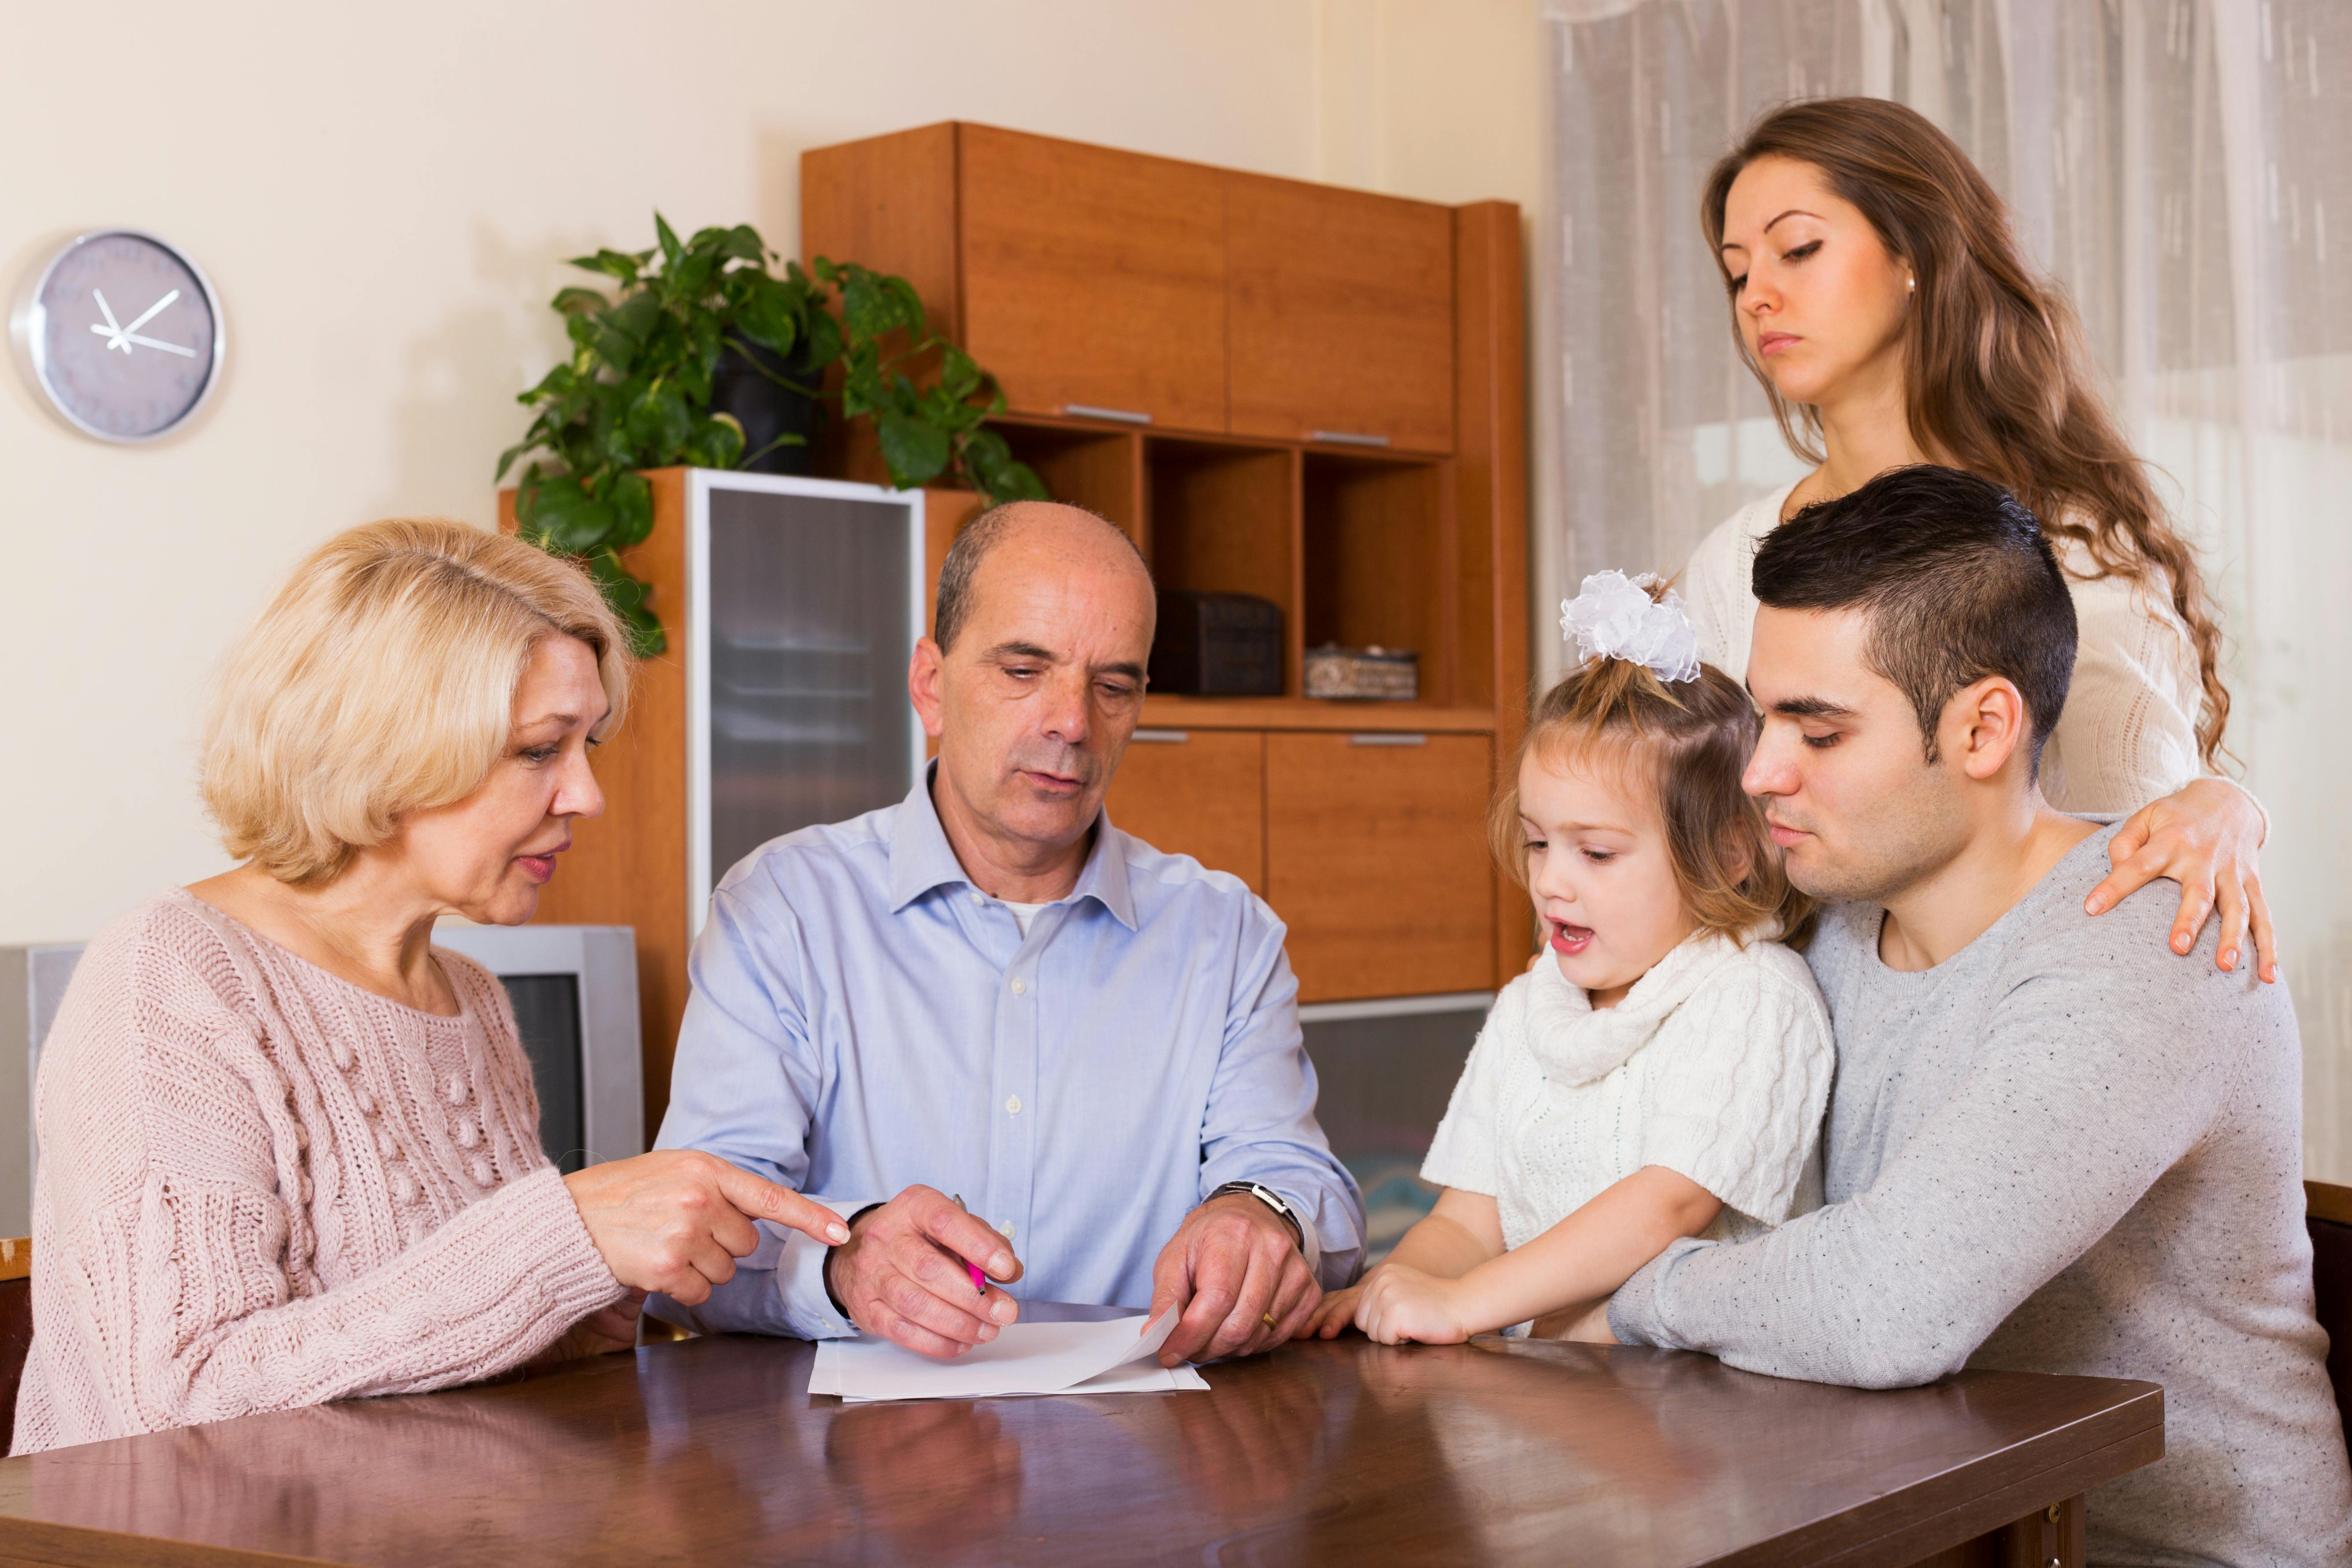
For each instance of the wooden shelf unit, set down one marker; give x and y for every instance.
(1310, 395)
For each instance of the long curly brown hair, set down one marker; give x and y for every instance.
(1996, 377)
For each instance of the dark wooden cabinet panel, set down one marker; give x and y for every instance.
(1375, 854)
(1199, 793)
(1340, 314)
(1094, 278)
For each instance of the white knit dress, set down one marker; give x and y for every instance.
(2127, 734)
(1716, 1066)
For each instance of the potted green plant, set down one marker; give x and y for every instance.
(699, 332)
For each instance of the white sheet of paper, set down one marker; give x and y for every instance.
(1145, 1378)
(1024, 1359)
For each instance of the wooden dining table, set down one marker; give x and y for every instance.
(1498, 1451)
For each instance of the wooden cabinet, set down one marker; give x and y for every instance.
(1254, 319)
(1093, 278)
(1376, 857)
(1097, 283)
(1199, 793)
(1085, 277)
(1340, 315)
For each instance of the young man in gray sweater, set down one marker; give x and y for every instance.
(2053, 1146)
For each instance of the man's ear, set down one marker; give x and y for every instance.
(1985, 724)
(926, 682)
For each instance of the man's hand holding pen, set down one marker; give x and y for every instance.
(905, 1273)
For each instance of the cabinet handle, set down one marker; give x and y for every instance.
(1161, 737)
(1388, 739)
(1347, 438)
(1124, 415)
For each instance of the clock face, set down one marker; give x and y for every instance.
(124, 336)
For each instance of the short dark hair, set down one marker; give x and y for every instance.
(1955, 577)
(980, 535)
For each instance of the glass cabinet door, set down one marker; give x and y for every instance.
(810, 618)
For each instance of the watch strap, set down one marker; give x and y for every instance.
(1272, 1200)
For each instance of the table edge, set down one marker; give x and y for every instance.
(42, 1543)
(2137, 1440)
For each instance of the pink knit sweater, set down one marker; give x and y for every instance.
(262, 1186)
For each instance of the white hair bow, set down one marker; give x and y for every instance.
(1613, 617)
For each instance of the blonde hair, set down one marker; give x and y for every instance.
(381, 681)
(1692, 741)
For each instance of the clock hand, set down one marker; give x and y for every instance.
(149, 314)
(155, 343)
(111, 332)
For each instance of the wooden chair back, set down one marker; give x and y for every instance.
(15, 1323)
(2328, 1211)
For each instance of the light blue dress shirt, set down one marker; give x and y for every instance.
(863, 1018)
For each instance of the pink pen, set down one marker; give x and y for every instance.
(979, 1280)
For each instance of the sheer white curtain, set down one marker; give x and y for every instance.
(2176, 165)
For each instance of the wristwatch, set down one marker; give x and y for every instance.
(1267, 1196)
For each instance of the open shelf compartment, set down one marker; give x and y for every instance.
(1379, 560)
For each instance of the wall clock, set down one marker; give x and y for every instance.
(121, 335)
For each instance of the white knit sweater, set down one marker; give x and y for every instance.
(2127, 734)
(1716, 1066)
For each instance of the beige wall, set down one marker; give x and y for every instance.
(384, 202)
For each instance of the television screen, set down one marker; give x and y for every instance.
(546, 1015)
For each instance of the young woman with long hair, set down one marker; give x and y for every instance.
(1879, 295)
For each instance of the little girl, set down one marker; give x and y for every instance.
(1664, 1073)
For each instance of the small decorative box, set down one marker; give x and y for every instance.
(1381, 674)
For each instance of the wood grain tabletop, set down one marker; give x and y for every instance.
(713, 1450)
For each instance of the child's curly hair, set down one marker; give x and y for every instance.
(1693, 741)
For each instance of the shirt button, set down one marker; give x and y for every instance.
(1006, 1229)
(1012, 1106)
(1020, 986)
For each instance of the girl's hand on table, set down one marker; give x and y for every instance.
(1401, 1306)
(1334, 1314)
(2208, 837)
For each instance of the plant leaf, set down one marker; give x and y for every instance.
(630, 600)
(566, 519)
(632, 502)
(612, 263)
(507, 457)
(912, 450)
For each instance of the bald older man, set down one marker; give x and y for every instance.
(988, 992)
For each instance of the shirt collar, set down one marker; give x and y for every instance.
(921, 857)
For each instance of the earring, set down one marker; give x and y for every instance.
(1911, 285)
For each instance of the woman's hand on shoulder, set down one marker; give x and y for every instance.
(675, 1220)
(2208, 837)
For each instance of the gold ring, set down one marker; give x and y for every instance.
(1269, 1319)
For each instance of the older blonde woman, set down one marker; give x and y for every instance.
(289, 1150)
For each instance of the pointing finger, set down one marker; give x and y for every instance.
(763, 1199)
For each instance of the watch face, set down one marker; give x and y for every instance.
(124, 336)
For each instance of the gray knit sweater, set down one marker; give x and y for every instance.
(2064, 1148)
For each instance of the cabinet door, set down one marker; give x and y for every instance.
(1199, 793)
(1340, 313)
(1376, 857)
(1094, 278)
